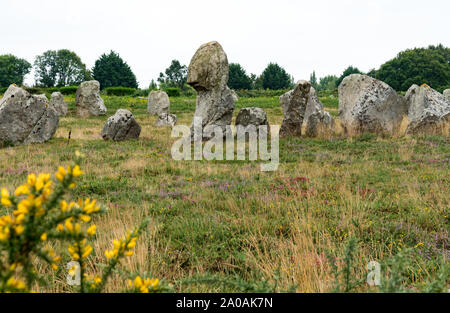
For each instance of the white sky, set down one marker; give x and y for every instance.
(302, 36)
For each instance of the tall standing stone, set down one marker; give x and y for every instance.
(25, 118)
(208, 75)
(88, 100)
(369, 105)
(294, 107)
(58, 103)
(428, 110)
(158, 102)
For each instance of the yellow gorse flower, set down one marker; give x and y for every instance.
(144, 285)
(123, 247)
(5, 201)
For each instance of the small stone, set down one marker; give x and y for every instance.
(235, 96)
(58, 103)
(121, 126)
(166, 119)
(158, 102)
(446, 93)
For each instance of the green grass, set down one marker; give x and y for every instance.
(226, 226)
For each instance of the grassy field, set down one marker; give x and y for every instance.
(312, 226)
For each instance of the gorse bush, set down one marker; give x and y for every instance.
(120, 91)
(39, 219)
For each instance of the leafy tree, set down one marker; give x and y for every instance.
(417, 66)
(257, 81)
(275, 77)
(313, 80)
(238, 79)
(348, 71)
(12, 70)
(111, 71)
(153, 85)
(59, 68)
(175, 76)
(328, 83)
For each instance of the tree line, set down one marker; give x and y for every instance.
(64, 68)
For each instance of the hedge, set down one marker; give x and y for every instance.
(120, 91)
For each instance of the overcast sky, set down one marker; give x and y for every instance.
(302, 36)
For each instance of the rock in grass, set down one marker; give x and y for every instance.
(158, 102)
(253, 117)
(88, 100)
(166, 119)
(294, 107)
(317, 120)
(446, 94)
(235, 96)
(369, 105)
(121, 126)
(208, 75)
(428, 110)
(57, 102)
(25, 118)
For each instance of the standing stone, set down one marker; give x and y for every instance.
(121, 126)
(446, 93)
(88, 99)
(235, 96)
(317, 120)
(166, 119)
(158, 102)
(57, 102)
(369, 105)
(428, 110)
(25, 118)
(294, 106)
(208, 75)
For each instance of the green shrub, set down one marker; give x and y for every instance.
(173, 92)
(255, 93)
(120, 91)
(68, 90)
(141, 93)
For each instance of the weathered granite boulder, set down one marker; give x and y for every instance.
(253, 116)
(446, 93)
(88, 100)
(369, 105)
(57, 102)
(166, 119)
(25, 118)
(428, 110)
(235, 96)
(294, 107)
(158, 102)
(208, 75)
(121, 126)
(315, 120)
